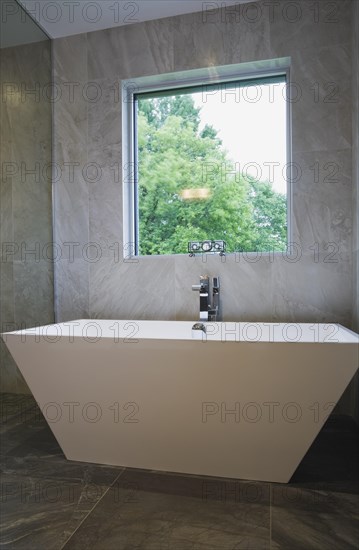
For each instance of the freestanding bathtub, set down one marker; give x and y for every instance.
(246, 400)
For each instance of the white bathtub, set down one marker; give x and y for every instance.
(246, 402)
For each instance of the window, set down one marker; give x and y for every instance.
(209, 161)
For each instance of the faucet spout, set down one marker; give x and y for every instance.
(215, 297)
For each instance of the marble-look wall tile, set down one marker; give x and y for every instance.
(26, 198)
(354, 398)
(333, 235)
(327, 170)
(199, 44)
(71, 198)
(26, 143)
(30, 64)
(71, 204)
(106, 217)
(7, 312)
(34, 303)
(321, 89)
(311, 290)
(105, 123)
(30, 133)
(70, 59)
(30, 147)
(103, 59)
(221, 37)
(298, 25)
(131, 50)
(140, 289)
(32, 233)
(10, 380)
(72, 290)
(322, 202)
(355, 165)
(254, 31)
(6, 220)
(247, 284)
(105, 151)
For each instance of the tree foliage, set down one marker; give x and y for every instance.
(175, 156)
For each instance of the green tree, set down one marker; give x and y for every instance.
(175, 158)
(157, 110)
(269, 214)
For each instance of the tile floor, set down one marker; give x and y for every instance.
(49, 503)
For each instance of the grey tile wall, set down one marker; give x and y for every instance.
(26, 277)
(318, 289)
(71, 188)
(355, 117)
(321, 54)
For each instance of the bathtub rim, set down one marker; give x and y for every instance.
(221, 332)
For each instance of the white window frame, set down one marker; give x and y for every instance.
(183, 79)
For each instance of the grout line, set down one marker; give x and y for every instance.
(93, 508)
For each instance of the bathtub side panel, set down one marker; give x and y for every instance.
(241, 410)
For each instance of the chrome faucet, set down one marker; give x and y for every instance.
(208, 290)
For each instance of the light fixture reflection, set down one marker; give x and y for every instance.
(192, 194)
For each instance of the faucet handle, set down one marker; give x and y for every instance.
(196, 287)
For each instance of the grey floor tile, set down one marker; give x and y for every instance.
(42, 507)
(32, 437)
(150, 510)
(14, 406)
(40, 513)
(62, 470)
(314, 520)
